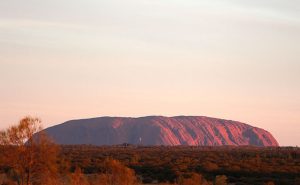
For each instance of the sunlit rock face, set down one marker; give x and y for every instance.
(158, 130)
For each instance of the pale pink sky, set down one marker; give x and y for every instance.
(232, 59)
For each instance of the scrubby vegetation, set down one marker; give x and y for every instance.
(27, 158)
(236, 165)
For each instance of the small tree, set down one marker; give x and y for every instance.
(116, 173)
(221, 180)
(78, 178)
(195, 179)
(28, 152)
(269, 183)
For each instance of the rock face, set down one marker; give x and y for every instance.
(158, 130)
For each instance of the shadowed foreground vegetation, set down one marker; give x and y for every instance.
(27, 158)
(239, 165)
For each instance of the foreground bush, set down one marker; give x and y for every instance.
(27, 154)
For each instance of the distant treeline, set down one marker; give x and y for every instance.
(241, 165)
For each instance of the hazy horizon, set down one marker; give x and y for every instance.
(229, 59)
